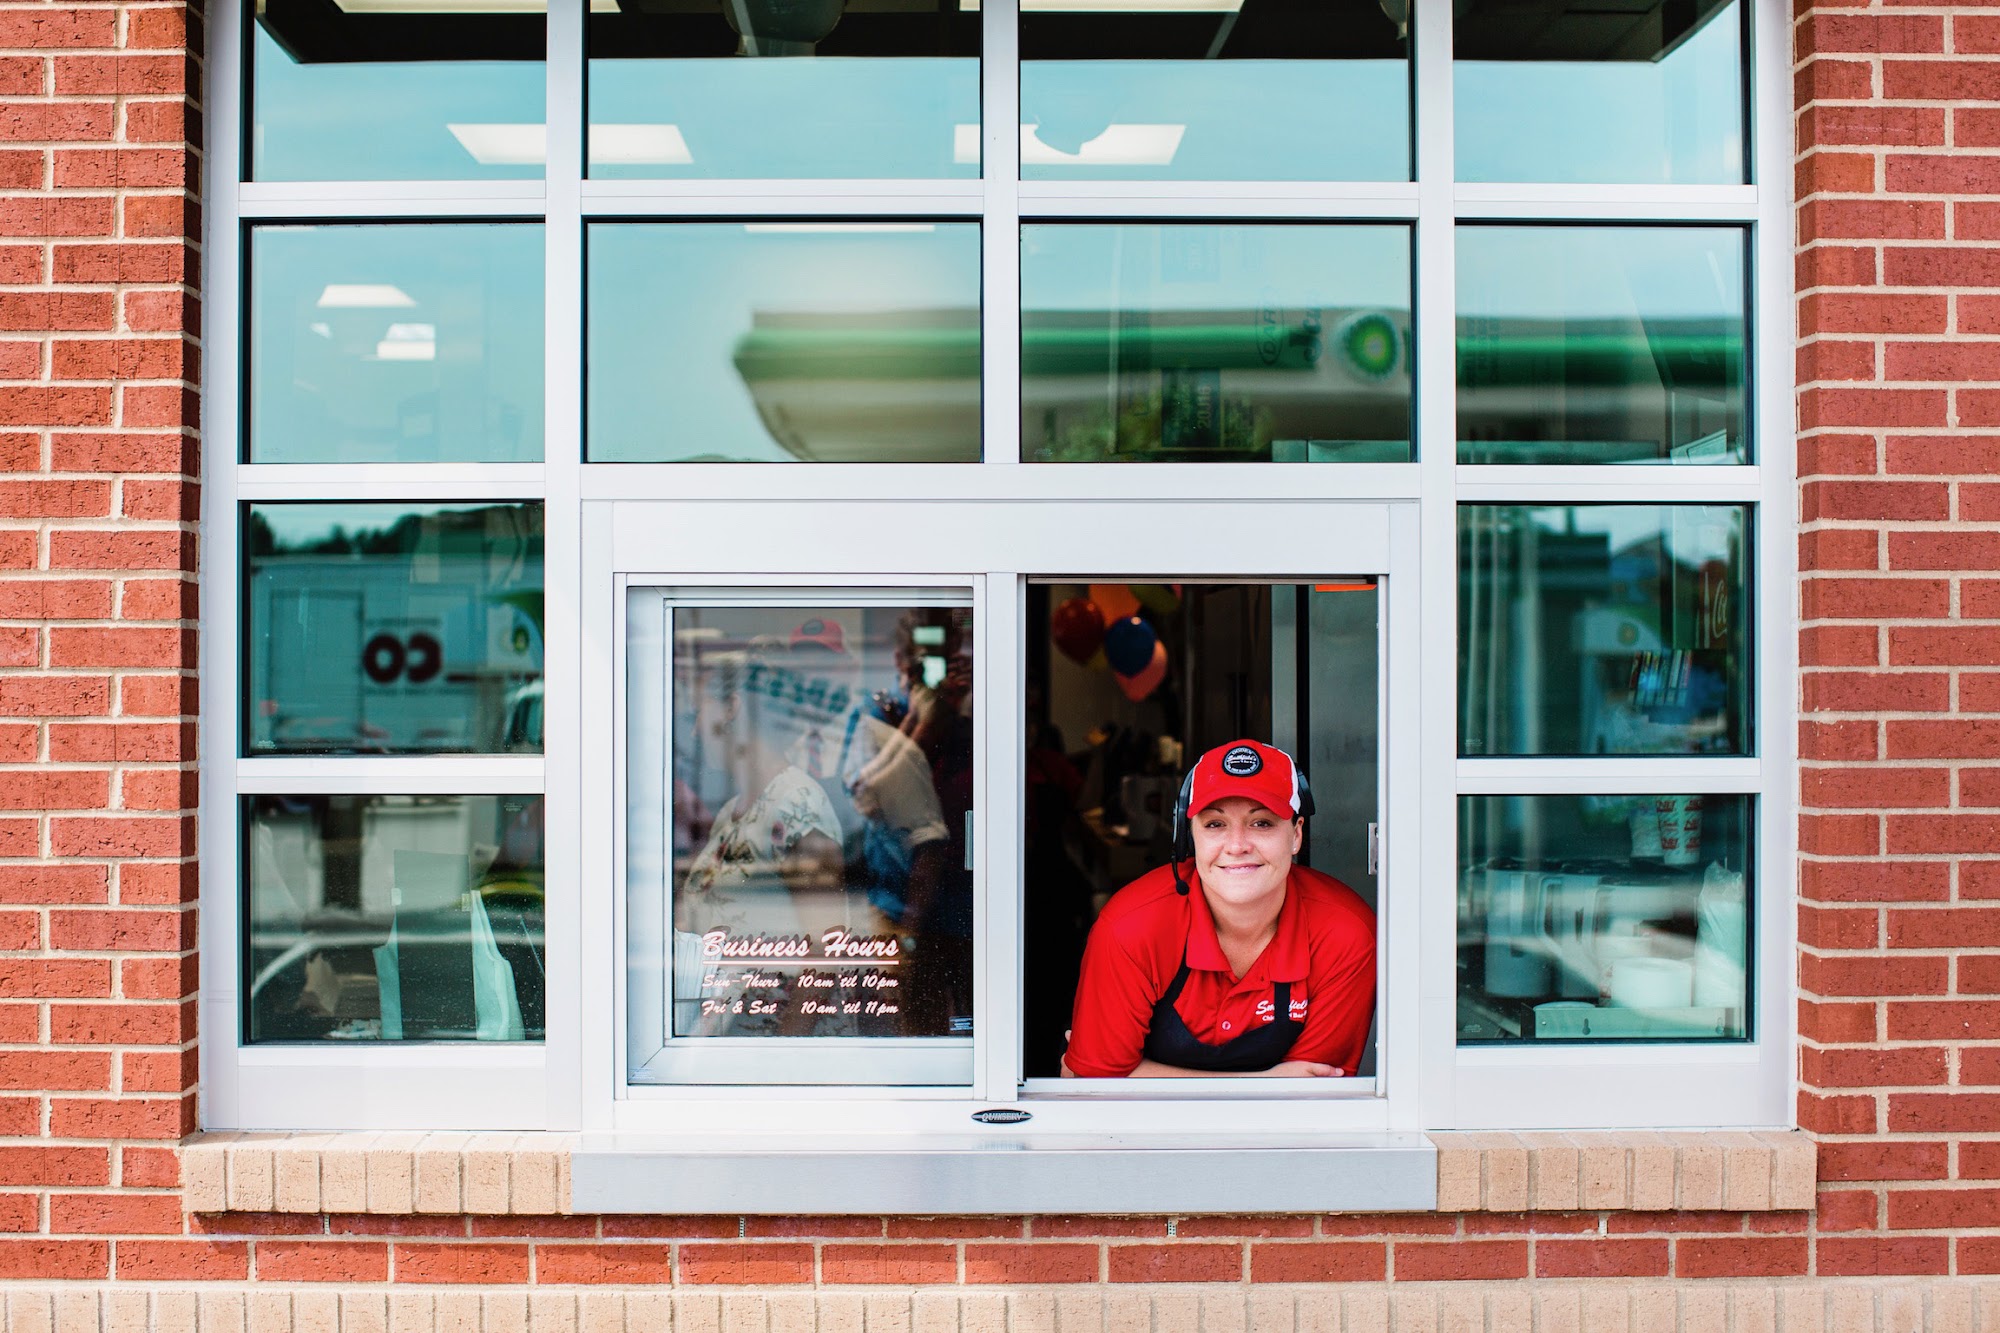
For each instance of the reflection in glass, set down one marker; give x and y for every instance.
(1230, 90)
(393, 628)
(823, 767)
(1296, 663)
(393, 918)
(1602, 345)
(820, 342)
(1605, 918)
(396, 344)
(811, 89)
(1641, 94)
(368, 91)
(1603, 629)
(1215, 343)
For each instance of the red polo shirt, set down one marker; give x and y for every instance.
(1324, 946)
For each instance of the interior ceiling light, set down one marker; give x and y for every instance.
(499, 145)
(1119, 6)
(1135, 145)
(408, 342)
(503, 145)
(638, 146)
(364, 296)
(783, 228)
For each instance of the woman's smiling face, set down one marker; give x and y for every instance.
(1243, 851)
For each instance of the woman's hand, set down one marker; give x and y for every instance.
(1304, 1069)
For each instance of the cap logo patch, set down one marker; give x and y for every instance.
(1242, 761)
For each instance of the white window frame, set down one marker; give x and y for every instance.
(570, 1082)
(631, 542)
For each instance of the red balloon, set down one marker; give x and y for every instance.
(1078, 629)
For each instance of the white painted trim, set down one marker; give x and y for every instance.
(362, 774)
(389, 481)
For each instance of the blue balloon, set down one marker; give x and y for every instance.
(1128, 645)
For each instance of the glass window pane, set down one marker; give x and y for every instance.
(779, 88)
(373, 92)
(393, 628)
(1215, 343)
(1641, 94)
(1603, 629)
(1291, 90)
(393, 918)
(817, 342)
(1112, 732)
(1604, 918)
(821, 791)
(396, 344)
(1602, 345)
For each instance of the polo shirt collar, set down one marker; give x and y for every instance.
(1283, 959)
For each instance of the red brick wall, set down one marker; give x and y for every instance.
(98, 366)
(1899, 279)
(1899, 363)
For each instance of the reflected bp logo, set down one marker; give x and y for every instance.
(1369, 344)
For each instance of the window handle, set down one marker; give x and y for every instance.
(1374, 849)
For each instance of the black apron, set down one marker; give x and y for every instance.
(1168, 1041)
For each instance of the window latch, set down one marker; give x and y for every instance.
(1374, 849)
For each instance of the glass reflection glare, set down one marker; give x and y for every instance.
(823, 766)
(808, 91)
(784, 341)
(1604, 918)
(1603, 630)
(1215, 343)
(393, 629)
(396, 344)
(1602, 345)
(339, 95)
(1277, 90)
(394, 918)
(1647, 94)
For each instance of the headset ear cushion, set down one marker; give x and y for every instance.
(1305, 795)
(1183, 840)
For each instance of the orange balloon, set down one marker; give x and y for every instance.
(1114, 600)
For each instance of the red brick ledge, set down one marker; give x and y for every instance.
(528, 1174)
(1809, 1305)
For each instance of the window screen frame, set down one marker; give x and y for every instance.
(569, 1083)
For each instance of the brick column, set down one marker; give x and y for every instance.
(99, 327)
(1899, 368)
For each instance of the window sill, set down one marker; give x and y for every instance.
(551, 1174)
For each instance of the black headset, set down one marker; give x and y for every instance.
(1183, 844)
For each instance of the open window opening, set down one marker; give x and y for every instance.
(1126, 685)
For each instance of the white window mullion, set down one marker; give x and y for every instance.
(562, 638)
(220, 1099)
(1000, 240)
(1436, 405)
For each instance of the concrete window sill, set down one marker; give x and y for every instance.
(532, 1174)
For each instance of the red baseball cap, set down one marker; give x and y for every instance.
(1264, 773)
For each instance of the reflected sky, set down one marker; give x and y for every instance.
(391, 120)
(800, 116)
(396, 343)
(1217, 119)
(669, 308)
(1677, 120)
(1600, 272)
(1213, 266)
